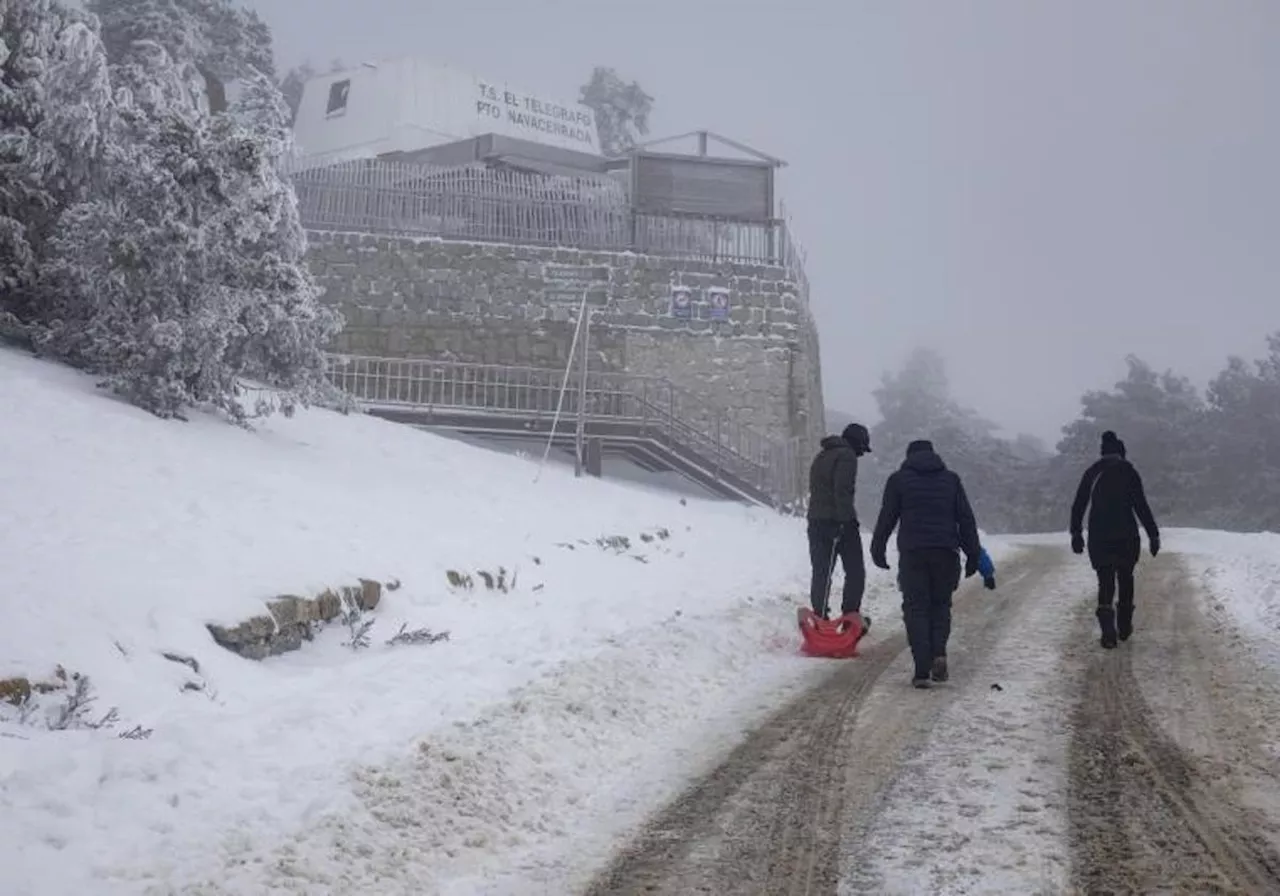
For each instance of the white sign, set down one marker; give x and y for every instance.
(406, 104)
(534, 118)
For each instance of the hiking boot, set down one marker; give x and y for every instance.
(939, 670)
(1107, 623)
(921, 682)
(1124, 623)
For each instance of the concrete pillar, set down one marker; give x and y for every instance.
(594, 460)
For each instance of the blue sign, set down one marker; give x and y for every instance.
(719, 304)
(681, 302)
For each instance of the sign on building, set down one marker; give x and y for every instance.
(681, 302)
(719, 301)
(405, 104)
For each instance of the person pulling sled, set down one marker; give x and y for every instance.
(833, 521)
(1112, 491)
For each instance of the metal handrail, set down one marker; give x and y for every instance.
(651, 403)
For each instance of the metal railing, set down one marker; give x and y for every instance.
(652, 407)
(486, 205)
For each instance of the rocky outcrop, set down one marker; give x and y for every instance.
(291, 620)
(18, 690)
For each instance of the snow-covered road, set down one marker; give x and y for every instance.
(1047, 765)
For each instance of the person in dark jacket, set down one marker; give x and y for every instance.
(833, 522)
(928, 505)
(1112, 490)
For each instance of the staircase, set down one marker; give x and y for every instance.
(648, 419)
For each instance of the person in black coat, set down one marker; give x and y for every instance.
(928, 505)
(833, 522)
(1112, 491)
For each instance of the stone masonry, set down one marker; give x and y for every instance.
(517, 305)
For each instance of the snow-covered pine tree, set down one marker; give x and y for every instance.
(187, 273)
(286, 328)
(55, 96)
(134, 272)
(155, 244)
(211, 41)
(172, 24)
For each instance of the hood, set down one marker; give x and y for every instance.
(832, 442)
(858, 437)
(1112, 446)
(924, 462)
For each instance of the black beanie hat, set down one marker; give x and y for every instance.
(1111, 444)
(919, 445)
(858, 437)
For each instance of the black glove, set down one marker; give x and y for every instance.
(1077, 542)
(1155, 545)
(970, 566)
(879, 560)
(989, 583)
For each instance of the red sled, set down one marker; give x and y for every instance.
(831, 638)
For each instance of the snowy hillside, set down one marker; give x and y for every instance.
(569, 696)
(631, 640)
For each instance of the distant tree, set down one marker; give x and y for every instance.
(1004, 480)
(621, 110)
(1210, 461)
(1241, 441)
(1160, 417)
(1029, 447)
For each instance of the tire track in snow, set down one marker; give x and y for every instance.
(770, 818)
(1147, 815)
(981, 809)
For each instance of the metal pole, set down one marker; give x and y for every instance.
(582, 396)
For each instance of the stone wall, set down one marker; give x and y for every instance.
(503, 304)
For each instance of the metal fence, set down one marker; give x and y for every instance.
(652, 406)
(478, 203)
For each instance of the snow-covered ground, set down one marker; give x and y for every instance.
(1241, 575)
(513, 757)
(983, 806)
(556, 715)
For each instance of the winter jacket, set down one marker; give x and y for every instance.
(928, 504)
(833, 476)
(1112, 490)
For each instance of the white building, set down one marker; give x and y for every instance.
(409, 104)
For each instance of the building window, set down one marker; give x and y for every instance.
(338, 91)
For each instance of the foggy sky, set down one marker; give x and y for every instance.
(1035, 188)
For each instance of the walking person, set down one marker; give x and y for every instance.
(928, 505)
(1112, 491)
(833, 521)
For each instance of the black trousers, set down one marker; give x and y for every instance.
(928, 579)
(1115, 581)
(1114, 562)
(827, 541)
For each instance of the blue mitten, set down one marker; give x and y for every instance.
(987, 569)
